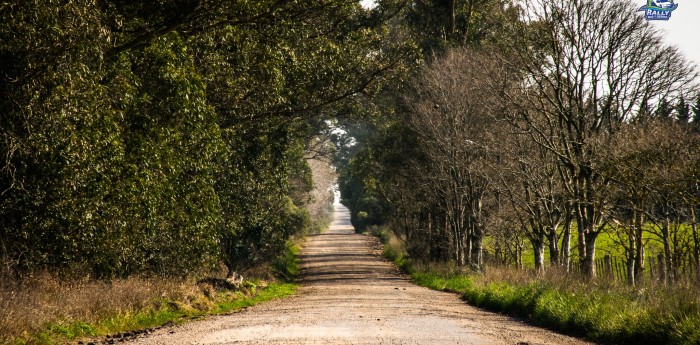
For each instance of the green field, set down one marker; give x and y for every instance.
(609, 242)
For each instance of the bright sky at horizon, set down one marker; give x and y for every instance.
(683, 29)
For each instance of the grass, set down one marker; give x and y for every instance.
(608, 312)
(45, 311)
(270, 292)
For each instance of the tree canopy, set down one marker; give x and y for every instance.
(161, 136)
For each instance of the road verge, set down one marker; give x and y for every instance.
(601, 311)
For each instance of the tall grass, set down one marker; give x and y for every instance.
(604, 311)
(42, 303)
(45, 310)
(608, 312)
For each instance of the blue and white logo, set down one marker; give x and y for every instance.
(658, 9)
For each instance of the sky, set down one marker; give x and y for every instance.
(368, 3)
(682, 30)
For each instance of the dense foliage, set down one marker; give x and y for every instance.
(158, 137)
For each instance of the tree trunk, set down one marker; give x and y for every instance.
(469, 243)
(589, 259)
(630, 270)
(696, 242)
(451, 19)
(468, 20)
(458, 252)
(639, 247)
(665, 232)
(630, 251)
(406, 226)
(477, 252)
(476, 238)
(432, 239)
(538, 251)
(445, 236)
(566, 241)
(678, 252)
(661, 261)
(581, 245)
(553, 246)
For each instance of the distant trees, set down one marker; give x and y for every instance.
(438, 25)
(451, 111)
(415, 171)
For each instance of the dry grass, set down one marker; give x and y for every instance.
(44, 310)
(603, 310)
(27, 308)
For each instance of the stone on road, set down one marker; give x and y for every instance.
(350, 295)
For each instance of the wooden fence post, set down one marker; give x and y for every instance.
(607, 262)
(621, 270)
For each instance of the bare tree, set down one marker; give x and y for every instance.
(529, 179)
(672, 169)
(453, 112)
(588, 66)
(650, 163)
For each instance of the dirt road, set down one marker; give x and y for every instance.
(351, 295)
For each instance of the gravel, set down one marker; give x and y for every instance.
(351, 295)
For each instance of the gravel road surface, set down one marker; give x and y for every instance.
(350, 295)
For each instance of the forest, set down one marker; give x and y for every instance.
(568, 127)
(160, 138)
(170, 139)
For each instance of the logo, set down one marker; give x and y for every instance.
(658, 9)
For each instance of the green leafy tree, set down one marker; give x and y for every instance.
(58, 132)
(258, 216)
(136, 136)
(696, 110)
(683, 110)
(173, 144)
(438, 24)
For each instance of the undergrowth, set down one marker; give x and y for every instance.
(45, 311)
(602, 311)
